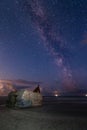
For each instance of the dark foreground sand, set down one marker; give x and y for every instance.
(47, 117)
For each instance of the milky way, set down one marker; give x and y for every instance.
(53, 40)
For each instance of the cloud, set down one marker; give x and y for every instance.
(5, 89)
(19, 82)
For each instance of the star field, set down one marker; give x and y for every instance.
(44, 40)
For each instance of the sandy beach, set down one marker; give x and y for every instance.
(47, 117)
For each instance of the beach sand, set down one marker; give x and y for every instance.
(47, 117)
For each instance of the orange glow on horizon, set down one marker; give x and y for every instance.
(5, 89)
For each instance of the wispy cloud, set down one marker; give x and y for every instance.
(19, 82)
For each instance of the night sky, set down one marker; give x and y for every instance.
(44, 40)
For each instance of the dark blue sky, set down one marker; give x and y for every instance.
(44, 40)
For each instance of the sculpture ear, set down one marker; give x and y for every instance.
(37, 89)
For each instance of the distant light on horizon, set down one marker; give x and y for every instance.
(86, 95)
(56, 95)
